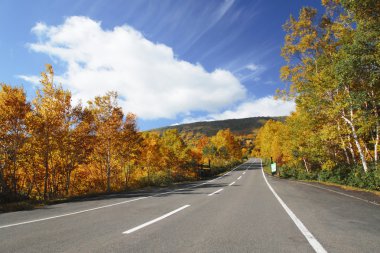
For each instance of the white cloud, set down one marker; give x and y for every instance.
(250, 71)
(35, 80)
(253, 67)
(266, 106)
(224, 8)
(213, 19)
(151, 81)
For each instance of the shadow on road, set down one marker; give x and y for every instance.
(181, 188)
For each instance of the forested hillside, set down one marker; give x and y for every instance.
(237, 126)
(333, 71)
(50, 148)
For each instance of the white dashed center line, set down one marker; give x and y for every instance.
(215, 192)
(155, 220)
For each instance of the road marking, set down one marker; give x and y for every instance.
(115, 204)
(243, 172)
(155, 220)
(308, 235)
(215, 192)
(68, 214)
(232, 183)
(194, 186)
(341, 193)
(238, 178)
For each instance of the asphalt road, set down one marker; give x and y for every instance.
(238, 212)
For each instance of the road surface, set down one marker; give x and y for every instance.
(239, 212)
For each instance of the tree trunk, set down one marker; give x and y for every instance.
(148, 167)
(126, 177)
(14, 181)
(46, 164)
(30, 188)
(345, 151)
(343, 145)
(306, 166)
(53, 181)
(351, 150)
(367, 151)
(4, 187)
(376, 156)
(108, 177)
(68, 175)
(376, 143)
(376, 112)
(109, 166)
(356, 139)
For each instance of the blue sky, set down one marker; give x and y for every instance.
(170, 61)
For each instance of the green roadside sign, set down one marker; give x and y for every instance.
(273, 167)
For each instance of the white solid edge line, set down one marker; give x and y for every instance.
(72, 213)
(215, 192)
(115, 204)
(155, 220)
(308, 235)
(232, 183)
(238, 178)
(341, 193)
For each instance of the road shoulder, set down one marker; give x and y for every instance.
(372, 197)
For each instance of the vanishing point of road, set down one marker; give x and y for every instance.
(242, 211)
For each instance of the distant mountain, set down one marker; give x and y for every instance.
(210, 128)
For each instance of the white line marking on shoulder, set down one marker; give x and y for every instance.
(308, 235)
(72, 213)
(341, 193)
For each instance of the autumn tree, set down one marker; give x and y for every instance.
(77, 141)
(47, 126)
(130, 147)
(227, 146)
(358, 71)
(51, 149)
(152, 156)
(177, 154)
(332, 70)
(108, 118)
(14, 110)
(268, 142)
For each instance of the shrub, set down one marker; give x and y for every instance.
(340, 174)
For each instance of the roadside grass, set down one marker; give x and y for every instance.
(17, 206)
